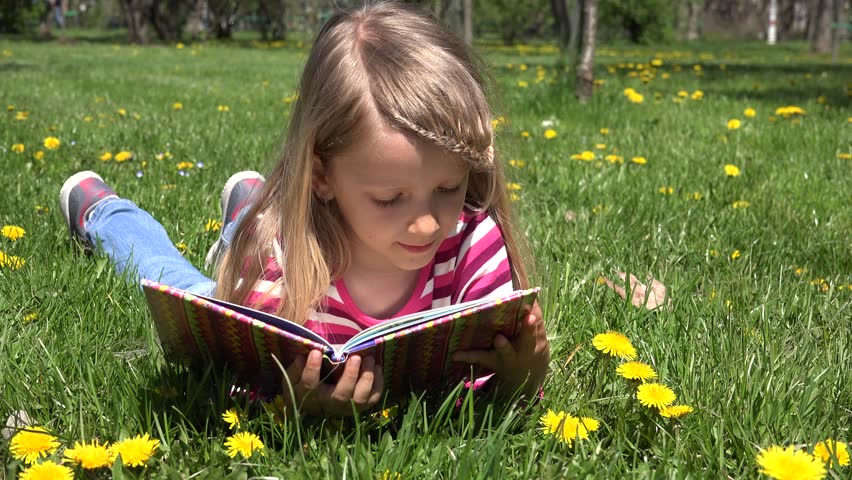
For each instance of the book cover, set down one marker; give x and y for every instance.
(415, 351)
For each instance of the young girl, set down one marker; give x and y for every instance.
(386, 199)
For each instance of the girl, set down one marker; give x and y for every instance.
(386, 200)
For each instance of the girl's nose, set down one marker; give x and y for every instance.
(425, 224)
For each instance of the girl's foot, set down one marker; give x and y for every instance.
(240, 191)
(78, 197)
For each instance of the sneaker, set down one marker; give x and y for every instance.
(240, 191)
(78, 196)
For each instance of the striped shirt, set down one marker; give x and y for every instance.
(470, 264)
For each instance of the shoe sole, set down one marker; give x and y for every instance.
(226, 194)
(65, 193)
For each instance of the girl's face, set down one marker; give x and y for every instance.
(399, 199)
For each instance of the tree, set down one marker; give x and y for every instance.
(224, 15)
(586, 68)
(273, 19)
(822, 13)
(135, 17)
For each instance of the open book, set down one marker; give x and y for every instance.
(415, 351)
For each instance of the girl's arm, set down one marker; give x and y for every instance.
(520, 363)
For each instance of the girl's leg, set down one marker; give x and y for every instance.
(138, 245)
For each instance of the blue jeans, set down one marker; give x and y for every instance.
(139, 247)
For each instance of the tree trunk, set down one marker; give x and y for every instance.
(838, 34)
(694, 17)
(586, 68)
(786, 17)
(136, 16)
(273, 22)
(468, 21)
(822, 27)
(224, 15)
(575, 20)
(561, 22)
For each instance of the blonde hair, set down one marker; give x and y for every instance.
(395, 60)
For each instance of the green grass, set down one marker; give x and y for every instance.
(760, 352)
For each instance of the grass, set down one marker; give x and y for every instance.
(758, 345)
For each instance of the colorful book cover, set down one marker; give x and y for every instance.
(415, 351)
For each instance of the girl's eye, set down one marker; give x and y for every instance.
(449, 190)
(386, 203)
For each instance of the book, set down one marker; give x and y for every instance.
(415, 351)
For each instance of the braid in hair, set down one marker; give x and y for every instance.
(481, 157)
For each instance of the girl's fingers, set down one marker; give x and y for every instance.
(293, 373)
(346, 383)
(365, 381)
(378, 387)
(310, 377)
(483, 358)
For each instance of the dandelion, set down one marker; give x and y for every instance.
(123, 156)
(655, 395)
(185, 165)
(106, 156)
(135, 451)
(514, 187)
(223, 108)
(517, 163)
(675, 411)
(52, 143)
(604, 131)
(22, 115)
(231, 418)
(697, 95)
(11, 262)
(657, 62)
(182, 247)
(567, 427)
(732, 170)
(790, 464)
(734, 124)
(525, 134)
(244, 443)
(30, 317)
(614, 344)
(636, 97)
(47, 471)
(830, 449)
(696, 195)
(600, 146)
(89, 455)
(735, 254)
(550, 134)
(31, 443)
(612, 158)
(586, 156)
(666, 190)
(212, 225)
(844, 156)
(740, 204)
(683, 94)
(636, 371)
(639, 160)
(12, 232)
(749, 112)
(789, 111)
(177, 106)
(122, 112)
(523, 84)
(18, 148)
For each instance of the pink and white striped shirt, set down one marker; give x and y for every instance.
(470, 264)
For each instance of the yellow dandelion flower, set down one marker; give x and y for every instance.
(52, 143)
(122, 112)
(135, 451)
(223, 108)
(185, 165)
(11, 262)
(514, 197)
(88, 118)
(567, 427)
(47, 471)
(790, 464)
(790, 111)
(749, 112)
(10, 108)
(106, 156)
(31, 443)
(636, 97)
(38, 155)
(525, 134)
(697, 95)
(212, 225)
(388, 475)
(734, 124)
(683, 94)
(182, 247)
(636, 371)
(517, 163)
(666, 190)
(12, 232)
(89, 455)
(735, 254)
(18, 148)
(655, 395)
(22, 115)
(123, 156)
(696, 195)
(31, 317)
(657, 62)
(612, 158)
(604, 131)
(830, 450)
(600, 146)
(675, 411)
(513, 186)
(244, 443)
(550, 133)
(740, 204)
(231, 418)
(523, 84)
(639, 160)
(586, 156)
(177, 106)
(614, 344)
(844, 156)
(732, 170)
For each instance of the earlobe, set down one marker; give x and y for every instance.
(319, 180)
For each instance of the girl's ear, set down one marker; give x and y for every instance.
(319, 180)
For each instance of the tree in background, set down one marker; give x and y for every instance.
(585, 85)
(643, 21)
(273, 19)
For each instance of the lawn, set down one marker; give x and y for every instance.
(757, 259)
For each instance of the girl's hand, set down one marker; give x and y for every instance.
(359, 387)
(520, 362)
